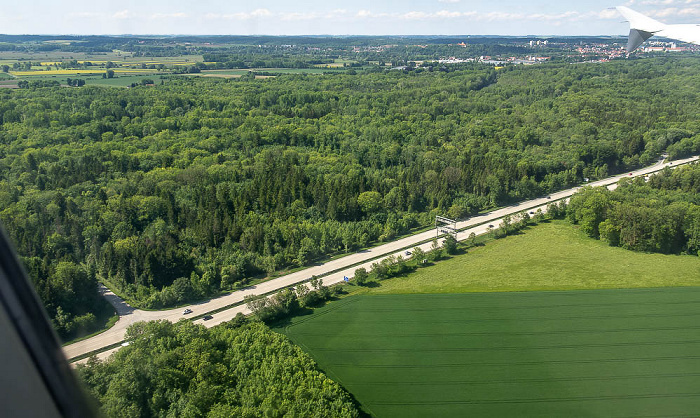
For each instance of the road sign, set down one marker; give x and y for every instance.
(445, 226)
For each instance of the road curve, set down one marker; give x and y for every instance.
(340, 267)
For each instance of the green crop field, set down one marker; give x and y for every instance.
(612, 353)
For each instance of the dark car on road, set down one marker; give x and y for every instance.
(207, 317)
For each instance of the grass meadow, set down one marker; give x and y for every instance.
(547, 323)
(549, 256)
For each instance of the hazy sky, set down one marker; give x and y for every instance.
(315, 17)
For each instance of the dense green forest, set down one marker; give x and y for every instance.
(187, 370)
(179, 191)
(658, 215)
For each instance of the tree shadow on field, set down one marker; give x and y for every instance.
(371, 284)
(522, 230)
(287, 320)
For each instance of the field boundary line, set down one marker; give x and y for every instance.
(525, 380)
(546, 400)
(544, 347)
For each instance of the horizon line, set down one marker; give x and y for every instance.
(312, 35)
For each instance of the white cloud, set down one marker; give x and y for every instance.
(169, 15)
(448, 15)
(442, 14)
(416, 15)
(675, 12)
(499, 16)
(255, 14)
(366, 14)
(608, 14)
(300, 16)
(554, 17)
(124, 14)
(634, 3)
(85, 15)
(260, 13)
(337, 13)
(11, 18)
(668, 2)
(448, 1)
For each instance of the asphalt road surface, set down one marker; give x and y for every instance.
(338, 269)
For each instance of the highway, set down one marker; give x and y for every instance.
(333, 271)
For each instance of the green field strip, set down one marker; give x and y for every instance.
(448, 319)
(562, 409)
(563, 399)
(497, 348)
(524, 380)
(614, 367)
(363, 383)
(516, 363)
(403, 322)
(575, 406)
(522, 334)
(524, 300)
(510, 394)
(528, 307)
(525, 307)
(532, 392)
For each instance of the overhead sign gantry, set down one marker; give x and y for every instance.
(445, 225)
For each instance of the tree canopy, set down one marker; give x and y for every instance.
(187, 370)
(659, 215)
